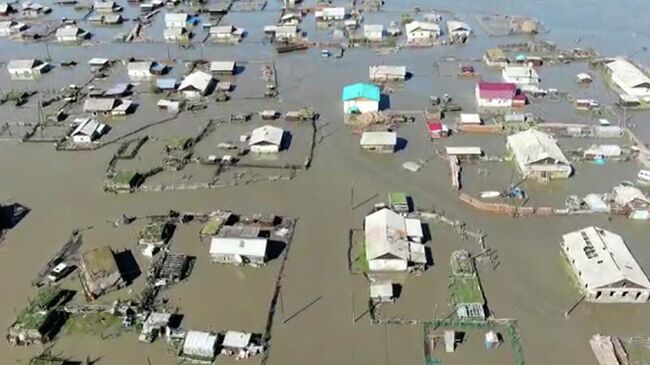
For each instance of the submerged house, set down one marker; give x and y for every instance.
(495, 57)
(373, 32)
(286, 33)
(223, 67)
(629, 78)
(495, 94)
(139, 69)
(99, 272)
(10, 27)
(520, 75)
(199, 347)
(197, 84)
(87, 131)
(27, 68)
(98, 106)
(361, 98)
(226, 33)
(39, 322)
(383, 142)
(106, 6)
(421, 32)
(239, 251)
(457, 30)
(538, 156)
(387, 73)
(330, 13)
(176, 20)
(604, 266)
(266, 139)
(387, 246)
(633, 202)
(71, 33)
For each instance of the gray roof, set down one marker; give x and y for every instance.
(21, 64)
(222, 66)
(198, 80)
(99, 104)
(533, 146)
(68, 31)
(86, 128)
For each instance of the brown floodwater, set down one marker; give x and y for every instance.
(63, 191)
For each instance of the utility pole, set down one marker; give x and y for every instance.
(351, 194)
(353, 319)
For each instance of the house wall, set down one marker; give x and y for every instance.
(22, 72)
(237, 259)
(640, 214)
(139, 73)
(639, 92)
(492, 103)
(374, 36)
(617, 295)
(364, 106)
(420, 36)
(379, 148)
(382, 265)
(67, 39)
(265, 148)
(81, 139)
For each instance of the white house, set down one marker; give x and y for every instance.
(266, 139)
(457, 30)
(334, 13)
(106, 6)
(176, 20)
(139, 69)
(70, 33)
(387, 246)
(361, 98)
(387, 73)
(223, 67)
(495, 94)
(629, 78)
(604, 266)
(373, 32)
(87, 131)
(635, 204)
(176, 34)
(421, 32)
(538, 156)
(197, 84)
(383, 142)
(239, 251)
(10, 27)
(226, 33)
(520, 75)
(286, 33)
(26, 68)
(199, 346)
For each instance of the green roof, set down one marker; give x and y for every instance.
(397, 198)
(99, 261)
(35, 314)
(361, 90)
(123, 177)
(212, 227)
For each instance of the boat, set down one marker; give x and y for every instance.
(490, 194)
(644, 176)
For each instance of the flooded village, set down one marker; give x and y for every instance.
(324, 181)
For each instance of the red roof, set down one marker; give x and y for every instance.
(434, 127)
(496, 90)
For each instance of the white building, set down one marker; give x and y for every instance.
(176, 20)
(337, 13)
(520, 75)
(70, 33)
(538, 156)
(10, 27)
(26, 68)
(266, 139)
(199, 346)
(605, 268)
(373, 32)
(286, 33)
(383, 142)
(458, 30)
(495, 94)
(197, 84)
(387, 246)
(139, 69)
(635, 204)
(382, 292)
(629, 78)
(176, 34)
(361, 98)
(223, 67)
(387, 73)
(105, 6)
(239, 251)
(87, 131)
(421, 32)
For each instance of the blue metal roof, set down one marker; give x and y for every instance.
(361, 90)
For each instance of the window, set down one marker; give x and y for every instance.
(611, 293)
(598, 294)
(624, 294)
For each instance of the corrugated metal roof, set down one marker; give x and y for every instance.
(361, 90)
(266, 134)
(255, 247)
(533, 146)
(198, 80)
(200, 344)
(378, 139)
(629, 74)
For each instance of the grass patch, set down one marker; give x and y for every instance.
(638, 354)
(465, 290)
(361, 261)
(96, 324)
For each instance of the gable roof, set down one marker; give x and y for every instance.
(496, 90)
(533, 146)
(422, 26)
(603, 258)
(385, 234)
(266, 134)
(198, 80)
(629, 74)
(86, 128)
(361, 90)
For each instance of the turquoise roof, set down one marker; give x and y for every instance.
(361, 90)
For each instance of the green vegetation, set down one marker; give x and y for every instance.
(36, 314)
(47, 360)
(465, 290)
(96, 324)
(153, 232)
(212, 227)
(361, 261)
(406, 18)
(123, 178)
(397, 198)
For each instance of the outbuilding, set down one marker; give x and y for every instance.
(239, 251)
(266, 139)
(604, 267)
(87, 131)
(223, 67)
(383, 142)
(361, 98)
(382, 292)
